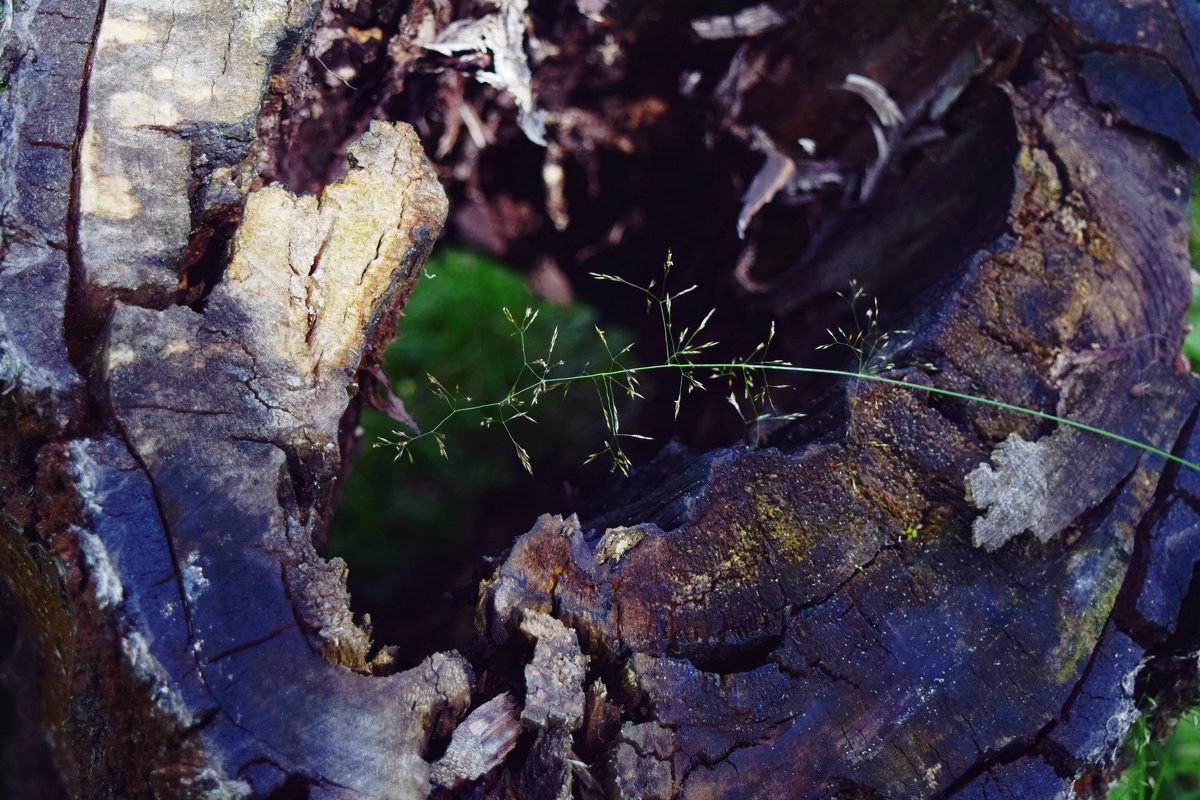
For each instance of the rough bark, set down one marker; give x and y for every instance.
(851, 608)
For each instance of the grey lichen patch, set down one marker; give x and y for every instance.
(191, 574)
(83, 475)
(616, 542)
(554, 678)
(107, 588)
(480, 743)
(106, 583)
(1015, 490)
(163, 692)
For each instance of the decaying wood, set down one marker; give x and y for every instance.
(852, 608)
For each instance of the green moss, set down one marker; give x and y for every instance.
(1093, 579)
(397, 520)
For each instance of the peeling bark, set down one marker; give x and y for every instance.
(185, 347)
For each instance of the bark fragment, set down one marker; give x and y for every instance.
(554, 677)
(480, 743)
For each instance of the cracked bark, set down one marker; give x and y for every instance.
(808, 618)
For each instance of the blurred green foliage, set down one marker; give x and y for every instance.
(409, 530)
(1167, 770)
(1191, 345)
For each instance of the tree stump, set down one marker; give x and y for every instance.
(901, 594)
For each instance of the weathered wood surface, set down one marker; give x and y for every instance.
(859, 663)
(812, 618)
(190, 483)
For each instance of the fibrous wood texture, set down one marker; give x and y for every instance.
(852, 608)
(198, 466)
